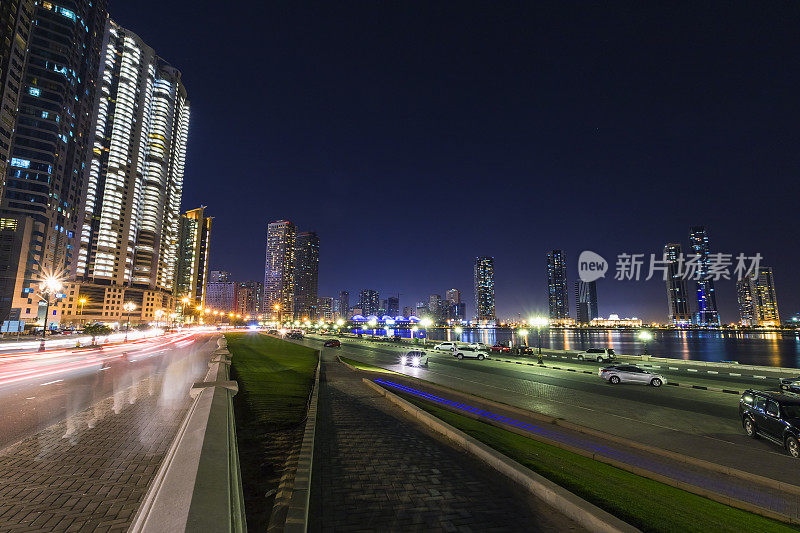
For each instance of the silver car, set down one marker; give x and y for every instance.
(630, 374)
(788, 382)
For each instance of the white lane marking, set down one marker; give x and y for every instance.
(760, 377)
(31, 398)
(712, 372)
(51, 382)
(673, 368)
(691, 370)
(734, 374)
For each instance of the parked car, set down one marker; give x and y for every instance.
(272, 331)
(630, 373)
(774, 416)
(522, 349)
(597, 354)
(445, 346)
(499, 348)
(332, 343)
(414, 358)
(479, 346)
(467, 352)
(786, 383)
(298, 335)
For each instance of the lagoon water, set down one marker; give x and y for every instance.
(768, 349)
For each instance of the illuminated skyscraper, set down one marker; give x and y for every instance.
(557, 293)
(484, 290)
(45, 174)
(344, 305)
(306, 275)
(325, 308)
(130, 215)
(194, 234)
(435, 306)
(279, 271)
(392, 306)
(453, 296)
(248, 298)
(677, 293)
(369, 301)
(707, 314)
(758, 304)
(586, 301)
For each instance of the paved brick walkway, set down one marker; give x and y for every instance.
(377, 470)
(90, 472)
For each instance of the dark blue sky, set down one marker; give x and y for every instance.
(413, 136)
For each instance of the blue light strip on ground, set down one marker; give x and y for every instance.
(487, 414)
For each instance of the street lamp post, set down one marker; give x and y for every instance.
(129, 306)
(50, 285)
(277, 308)
(82, 302)
(458, 331)
(539, 322)
(425, 323)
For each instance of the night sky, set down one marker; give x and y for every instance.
(413, 136)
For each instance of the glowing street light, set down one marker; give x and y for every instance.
(129, 306)
(81, 301)
(426, 323)
(645, 336)
(458, 331)
(539, 322)
(414, 329)
(50, 285)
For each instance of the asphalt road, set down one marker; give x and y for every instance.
(38, 389)
(700, 423)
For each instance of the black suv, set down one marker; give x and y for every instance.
(774, 416)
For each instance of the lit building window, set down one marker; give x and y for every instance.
(22, 163)
(33, 91)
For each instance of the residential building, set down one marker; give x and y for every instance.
(557, 294)
(248, 298)
(435, 306)
(586, 301)
(707, 314)
(758, 304)
(306, 275)
(392, 306)
(219, 275)
(222, 295)
(369, 302)
(325, 308)
(483, 274)
(45, 162)
(453, 296)
(344, 305)
(278, 301)
(194, 234)
(408, 311)
(678, 309)
(457, 311)
(382, 308)
(422, 310)
(15, 25)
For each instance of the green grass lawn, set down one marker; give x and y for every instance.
(644, 503)
(365, 366)
(275, 377)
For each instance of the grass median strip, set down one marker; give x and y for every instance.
(275, 380)
(365, 366)
(644, 503)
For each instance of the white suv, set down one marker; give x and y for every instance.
(445, 347)
(597, 354)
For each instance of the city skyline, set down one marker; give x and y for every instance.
(593, 146)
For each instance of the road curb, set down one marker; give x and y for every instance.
(297, 514)
(680, 457)
(572, 506)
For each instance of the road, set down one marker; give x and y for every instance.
(38, 389)
(699, 423)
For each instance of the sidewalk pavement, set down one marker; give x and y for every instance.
(90, 471)
(375, 469)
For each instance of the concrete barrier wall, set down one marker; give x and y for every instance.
(199, 486)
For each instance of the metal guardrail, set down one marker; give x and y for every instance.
(199, 485)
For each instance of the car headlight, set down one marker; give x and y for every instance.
(403, 360)
(415, 361)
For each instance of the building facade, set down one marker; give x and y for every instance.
(279, 272)
(435, 306)
(483, 276)
(325, 308)
(344, 305)
(369, 302)
(557, 293)
(707, 314)
(586, 301)
(306, 275)
(45, 167)
(392, 306)
(194, 237)
(453, 296)
(248, 298)
(678, 310)
(758, 303)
